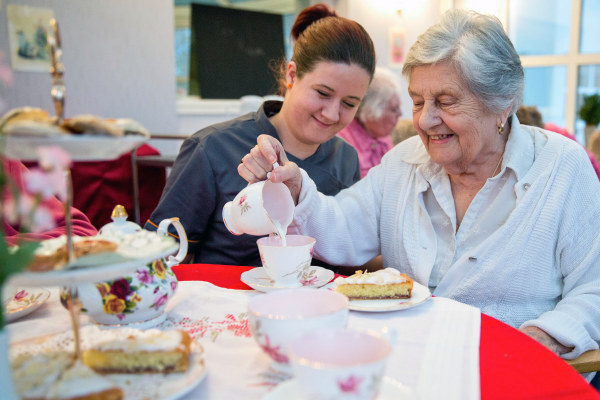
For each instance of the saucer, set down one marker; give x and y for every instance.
(24, 301)
(258, 279)
(390, 389)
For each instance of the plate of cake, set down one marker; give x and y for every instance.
(383, 290)
(98, 258)
(118, 364)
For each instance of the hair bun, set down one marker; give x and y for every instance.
(310, 15)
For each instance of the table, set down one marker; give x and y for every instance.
(512, 365)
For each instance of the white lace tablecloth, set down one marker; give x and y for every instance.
(436, 351)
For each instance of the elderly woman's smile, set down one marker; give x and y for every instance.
(455, 127)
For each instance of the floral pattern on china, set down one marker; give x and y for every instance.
(140, 297)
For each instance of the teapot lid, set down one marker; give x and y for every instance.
(120, 223)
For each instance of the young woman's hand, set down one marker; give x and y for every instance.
(258, 165)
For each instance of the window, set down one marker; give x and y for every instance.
(250, 37)
(560, 51)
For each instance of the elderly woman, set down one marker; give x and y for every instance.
(370, 131)
(483, 210)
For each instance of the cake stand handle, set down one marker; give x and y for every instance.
(74, 306)
(68, 216)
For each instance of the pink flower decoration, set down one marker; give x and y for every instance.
(242, 200)
(160, 301)
(311, 251)
(144, 277)
(42, 220)
(20, 295)
(308, 282)
(53, 158)
(274, 352)
(46, 184)
(350, 385)
(173, 286)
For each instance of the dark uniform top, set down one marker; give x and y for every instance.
(204, 178)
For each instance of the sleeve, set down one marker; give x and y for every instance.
(346, 226)
(189, 194)
(575, 321)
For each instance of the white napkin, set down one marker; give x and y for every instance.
(437, 347)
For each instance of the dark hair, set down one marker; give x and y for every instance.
(321, 35)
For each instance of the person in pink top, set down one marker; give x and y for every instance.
(370, 131)
(530, 115)
(12, 233)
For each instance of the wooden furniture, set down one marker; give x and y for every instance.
(587, 362)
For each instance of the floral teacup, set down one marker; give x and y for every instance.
(339, 363)
(276, 318)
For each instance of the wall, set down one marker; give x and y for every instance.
(378, 16)
(118, 59)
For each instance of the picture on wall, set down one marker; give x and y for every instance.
(28, 37)
(396, 47)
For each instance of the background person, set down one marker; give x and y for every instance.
(370, 131)
(530, 115)
(330, 70)
(480, 208)
(403, 130)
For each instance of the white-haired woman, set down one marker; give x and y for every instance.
(479, 208)
(370, 131)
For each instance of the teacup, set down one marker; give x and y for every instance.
(278, 317)
(286, 265)
(339, 363)
(258, 208)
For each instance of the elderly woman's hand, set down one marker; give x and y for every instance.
(255, 165)
(545, 339)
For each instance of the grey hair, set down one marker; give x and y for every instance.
(481, 52)
(383, 86)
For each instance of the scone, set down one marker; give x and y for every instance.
(90, 124)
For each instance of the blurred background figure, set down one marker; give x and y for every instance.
(594, 145)
(530, 115)
(370, 131)
(403, 130)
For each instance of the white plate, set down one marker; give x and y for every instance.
(170, 386)
(258, 279)
(79, 147)
(99, 267)
(419, 294)
(390, 389)
(24, 301)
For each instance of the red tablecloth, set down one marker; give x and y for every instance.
(512, 365)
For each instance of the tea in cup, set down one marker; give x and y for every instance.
(286, 263)
(278, 317)
(261, 208)
(339, 363)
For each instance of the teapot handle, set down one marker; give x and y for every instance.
(163, 230)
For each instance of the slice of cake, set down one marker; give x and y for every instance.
(386, 283)
(81, 383)
(53, 375)
(145, 351)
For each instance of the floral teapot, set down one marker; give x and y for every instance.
(140, 298)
